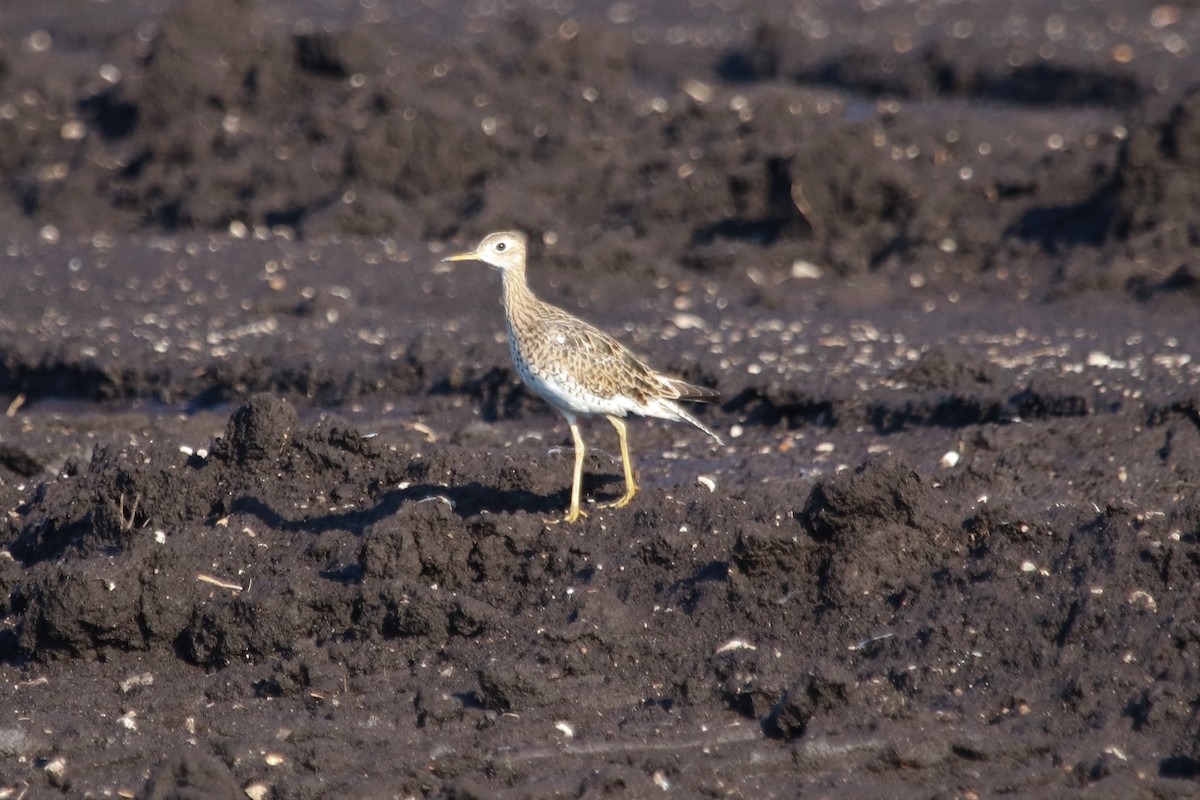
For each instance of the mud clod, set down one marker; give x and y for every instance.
(259, 430)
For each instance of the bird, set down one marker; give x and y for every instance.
(577, 368)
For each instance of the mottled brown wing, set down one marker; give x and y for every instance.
(597, 361)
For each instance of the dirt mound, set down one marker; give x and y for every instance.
(885, 591)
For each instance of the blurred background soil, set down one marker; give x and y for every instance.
(275, 497)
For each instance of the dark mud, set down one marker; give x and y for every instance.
(275, 498)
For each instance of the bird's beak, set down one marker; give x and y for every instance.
(471, 256)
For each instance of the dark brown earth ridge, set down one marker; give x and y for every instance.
(275, 496)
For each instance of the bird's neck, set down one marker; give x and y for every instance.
(518, 297)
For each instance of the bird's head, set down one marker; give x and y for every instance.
(503, 250)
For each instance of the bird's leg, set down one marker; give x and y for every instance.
(630, 483)
(574, 513)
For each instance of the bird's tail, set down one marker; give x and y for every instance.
(686, 417)
(682, 390)
(693, 393)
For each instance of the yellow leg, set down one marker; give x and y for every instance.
(574, 513)
(630, 483)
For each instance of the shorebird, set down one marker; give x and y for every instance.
(578, 369)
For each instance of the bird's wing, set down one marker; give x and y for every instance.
(606, 367)
(599, 362)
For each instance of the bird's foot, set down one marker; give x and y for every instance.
(574, 515)
(624, 500)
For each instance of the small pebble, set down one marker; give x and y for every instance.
(805, 270)
(73, 131)
(685, 321)
(699, 91)
(39, 41)
(136, 680)
(56, 770)
(1144, 598)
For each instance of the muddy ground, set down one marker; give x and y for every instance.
(276, 501)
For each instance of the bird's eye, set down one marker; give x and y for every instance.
(501, 247)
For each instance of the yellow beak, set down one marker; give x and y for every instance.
(471, 256)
